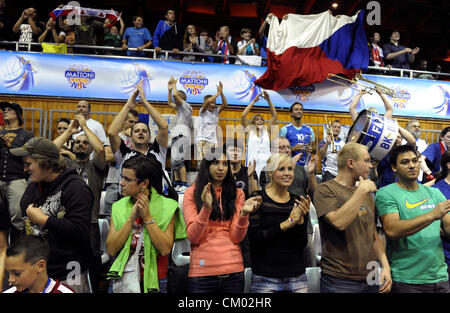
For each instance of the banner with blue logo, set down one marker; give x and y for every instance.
(103, 77)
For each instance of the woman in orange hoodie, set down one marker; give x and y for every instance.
(216, 216)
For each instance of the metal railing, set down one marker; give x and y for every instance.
(54, 115)
(30, 116)
(166, 55)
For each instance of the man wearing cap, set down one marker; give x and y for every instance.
(13, 179)
(57, 205)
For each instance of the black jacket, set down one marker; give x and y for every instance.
(68, 201)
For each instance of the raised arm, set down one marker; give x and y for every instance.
(16, 27)
(71, 130)
(222, 95)
(353, 105)
(387, 104)
(408, 136)
(93, 140)
(117, 123)
(273, 113)
(162, 136)
(247, 110)
(171, 87)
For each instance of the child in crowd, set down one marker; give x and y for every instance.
(26, 263)
(209, 119)
(181, 135)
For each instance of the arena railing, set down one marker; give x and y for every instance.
(34, 119)
(168, 55)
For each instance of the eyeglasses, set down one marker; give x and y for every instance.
(127, 179)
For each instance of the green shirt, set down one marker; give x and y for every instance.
(419, 258)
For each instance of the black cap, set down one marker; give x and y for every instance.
(16, 107)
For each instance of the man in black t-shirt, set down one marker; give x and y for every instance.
(13, 179)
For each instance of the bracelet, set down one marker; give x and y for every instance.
(149, 222)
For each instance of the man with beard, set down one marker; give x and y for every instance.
(301, 137)
(93, 172)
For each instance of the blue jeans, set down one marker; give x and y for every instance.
(331, 284)
(229, 283)
(112, 195)
(264, 284)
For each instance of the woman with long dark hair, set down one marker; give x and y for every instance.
(143, 211)
(216, 222)
(277, 232)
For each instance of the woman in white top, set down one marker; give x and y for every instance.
(258, 134)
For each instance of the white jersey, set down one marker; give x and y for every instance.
(258, 149)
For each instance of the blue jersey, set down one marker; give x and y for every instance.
(303, 135)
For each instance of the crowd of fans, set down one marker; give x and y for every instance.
(393, 212)
(254, 216)
(168, 35)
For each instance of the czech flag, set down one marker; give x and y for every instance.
(68, 9)
(304, 49)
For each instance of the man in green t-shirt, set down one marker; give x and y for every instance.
(412, 216)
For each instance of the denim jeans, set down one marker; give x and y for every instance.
(439, 287)
(14, 190)
(229, 283)
(331, 284)
(264, 284)
(112, 195)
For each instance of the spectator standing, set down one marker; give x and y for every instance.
(258, 134)
(278, 232)
(57, 205)
(209, 45)
(192, 42)
(423, 66)
(138, 37)
(209, 120)
(181, 135)
(144, 215)
(216, 222)
(329, 150)
(168, 34)
(412, 216)
(224, 44)
(399, 56)
(49, 28)
(347, 224)
(28, 26)
(113, 179)
(113, 36)
(301, 137)
(413, 126)
(13, 179)
(248, 45)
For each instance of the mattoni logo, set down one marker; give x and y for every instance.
(79, 77)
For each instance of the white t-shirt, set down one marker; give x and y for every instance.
(331, 158)
(96, 128)
(208, 126)
(183, 120)
(420, 144)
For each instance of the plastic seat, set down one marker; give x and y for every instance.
(181, 252)
(247, 279)
(101, 211)
(104, 230)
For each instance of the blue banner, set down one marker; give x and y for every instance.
(103, 77)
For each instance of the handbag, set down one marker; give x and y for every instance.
(130, 281)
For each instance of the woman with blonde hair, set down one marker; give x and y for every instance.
(258, 134)
(277, 232)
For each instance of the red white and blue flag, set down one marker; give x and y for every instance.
(68, 9)
(304, 49)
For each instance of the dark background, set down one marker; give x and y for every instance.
(421, 23)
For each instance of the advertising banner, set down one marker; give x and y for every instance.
(105, 77)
